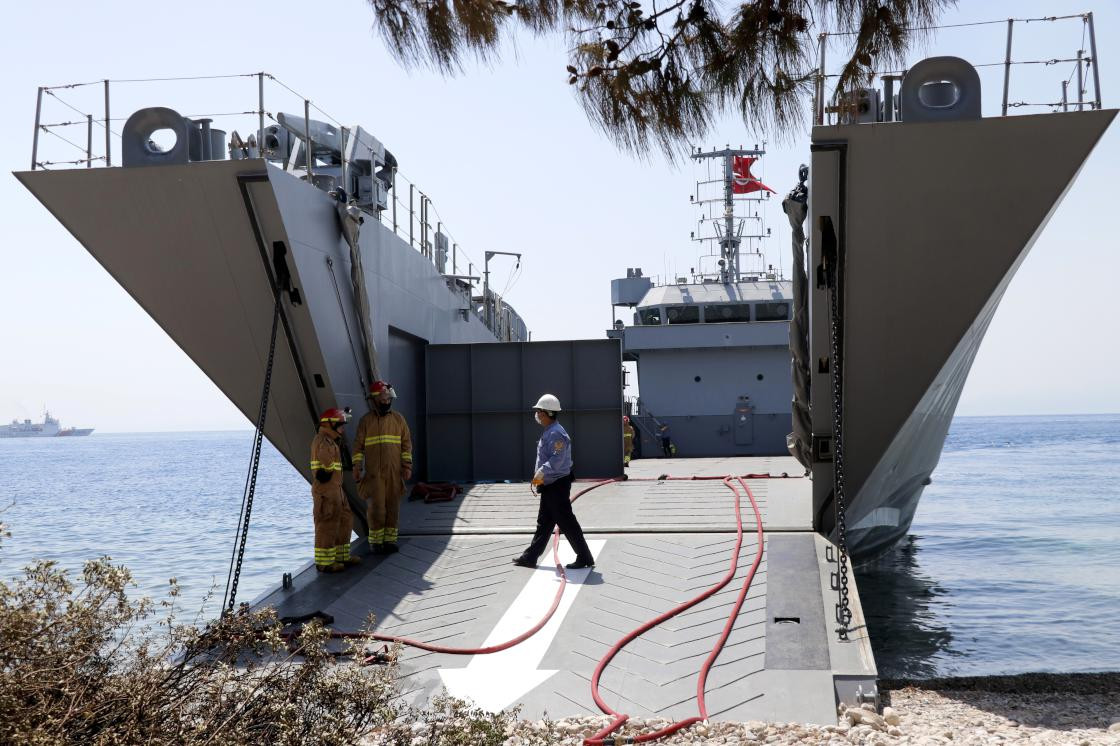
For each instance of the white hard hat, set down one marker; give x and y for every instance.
(548, 402)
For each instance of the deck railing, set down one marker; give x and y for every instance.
(1077, 64)
(78, 125)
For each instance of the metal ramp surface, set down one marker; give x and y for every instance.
(657, 544)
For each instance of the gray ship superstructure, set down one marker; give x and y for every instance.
(50, 427)
(712, 348)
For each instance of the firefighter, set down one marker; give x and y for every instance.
(382, 464)
(553, 478)
(330, 511)
(627, 440)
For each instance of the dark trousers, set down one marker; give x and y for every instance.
(666, 447)
(556, 510)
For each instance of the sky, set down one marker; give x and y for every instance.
(511, 164)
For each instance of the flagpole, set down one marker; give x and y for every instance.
(729, 217)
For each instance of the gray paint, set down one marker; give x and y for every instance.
(913, 319)
(673, 539)
(795, 621)
(480, 423)
(180, 240)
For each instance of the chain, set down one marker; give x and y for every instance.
(251, 479)
(843, 611)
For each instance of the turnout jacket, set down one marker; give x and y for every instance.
(383, 443)
(326, 455)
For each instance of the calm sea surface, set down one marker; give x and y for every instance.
(1013, 563)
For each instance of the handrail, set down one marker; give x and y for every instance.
(413, 223)
(823, 104)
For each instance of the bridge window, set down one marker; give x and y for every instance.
(726, 313)
(771, 312)
(650, 316)
(683, 314)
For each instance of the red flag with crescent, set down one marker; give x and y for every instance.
(742, 181)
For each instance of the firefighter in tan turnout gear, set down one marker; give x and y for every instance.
(382, 464)
(333, 521)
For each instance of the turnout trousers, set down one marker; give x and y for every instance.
(556, 510)
(382, 492)
(333, 524)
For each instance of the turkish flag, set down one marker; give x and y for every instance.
(742, 182)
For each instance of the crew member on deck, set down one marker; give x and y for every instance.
(382, 464)
(667, 448)
(627, 440)
(330, 512)
(553, 480)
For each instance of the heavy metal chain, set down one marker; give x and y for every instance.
(251, 479)
(843, 610)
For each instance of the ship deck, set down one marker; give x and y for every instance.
(657, 543)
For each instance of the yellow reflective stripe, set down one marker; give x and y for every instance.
(316, 464)
(406, 457)
(359, 457)
(333, 466)
(373, 440)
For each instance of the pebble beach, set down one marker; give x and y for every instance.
(1082, 709)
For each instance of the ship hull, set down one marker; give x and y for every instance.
(929, 223)
(196, 245)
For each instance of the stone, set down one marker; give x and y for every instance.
(891, 716)
(1115, 727)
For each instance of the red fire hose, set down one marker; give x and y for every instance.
(491, 648)
(601, 737)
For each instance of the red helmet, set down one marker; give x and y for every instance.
(334, 415)
(377, 387)
(625, 420)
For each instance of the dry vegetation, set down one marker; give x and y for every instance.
(81, 662)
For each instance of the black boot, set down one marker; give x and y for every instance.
(524, 561)
(581, 564)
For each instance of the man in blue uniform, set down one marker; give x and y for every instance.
(553, 480)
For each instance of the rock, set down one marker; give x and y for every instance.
(891, 716)
(1115, 727)
(894, 730)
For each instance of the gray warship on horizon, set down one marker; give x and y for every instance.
(50, 427)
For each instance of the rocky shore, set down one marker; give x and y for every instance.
(1028, 709)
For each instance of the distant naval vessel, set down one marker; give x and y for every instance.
(48, 428)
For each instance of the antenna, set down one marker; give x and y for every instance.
(719, 223)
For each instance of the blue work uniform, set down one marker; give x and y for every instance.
(554, 453)
(554, 460)
(666, 443)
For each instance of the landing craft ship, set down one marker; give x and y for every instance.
(287, 263)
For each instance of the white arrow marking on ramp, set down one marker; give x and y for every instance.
(497, 680)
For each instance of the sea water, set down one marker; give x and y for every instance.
(1012, 563)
